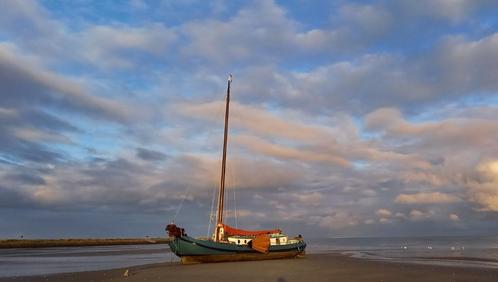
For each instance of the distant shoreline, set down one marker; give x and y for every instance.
(46, 243)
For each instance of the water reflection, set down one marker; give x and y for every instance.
(468, 251)
(36, 261)
(465, 250)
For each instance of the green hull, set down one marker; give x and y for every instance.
(192, 250)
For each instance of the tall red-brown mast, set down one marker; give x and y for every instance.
(221, 196)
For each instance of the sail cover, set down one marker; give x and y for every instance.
(261, 244)
(230, 231)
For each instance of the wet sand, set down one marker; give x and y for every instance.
(315, 267)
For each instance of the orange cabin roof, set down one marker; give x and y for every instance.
(230, 231)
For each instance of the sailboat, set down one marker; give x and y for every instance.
(228, 243)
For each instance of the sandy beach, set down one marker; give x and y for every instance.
(314, 267)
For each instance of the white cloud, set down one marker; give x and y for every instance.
(313, 198)
(31, 134)
(400, 215)
(111, 46)
(454, 217)
(261, 31)
(482, 186)
(369, 20)
(337, 220)
(383, 213)
(417, 215)
(369, 221)
(426, 198)
(384, 220)
(452, 10)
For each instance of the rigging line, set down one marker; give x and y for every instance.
(230, 186)
(235, 207)
(233, 187)
(211, 212)
(227, 196)
(181, 204)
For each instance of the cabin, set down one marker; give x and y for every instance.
(275, 239)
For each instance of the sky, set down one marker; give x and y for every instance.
(348, 118)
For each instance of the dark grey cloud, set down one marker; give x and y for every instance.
(15, 150)
(43, 120)
(150, 155)
(26, 178)
(24, 133)
(12, 198)
(26, 84)
(35, 104)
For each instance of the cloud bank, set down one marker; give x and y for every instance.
(348, 119)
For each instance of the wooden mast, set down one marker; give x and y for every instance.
(221, 196)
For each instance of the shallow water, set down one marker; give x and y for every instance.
(459, 251)
(455, 251)
(36, 261)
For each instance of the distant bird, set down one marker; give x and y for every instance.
(429, 247)
(126, 273)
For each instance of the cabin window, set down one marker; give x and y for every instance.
(278, 241)
(245, 241)
(238, 241)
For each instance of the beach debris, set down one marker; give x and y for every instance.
(453, 248)
(126, 273)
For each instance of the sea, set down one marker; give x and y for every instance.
(455, 251)
(466, 251)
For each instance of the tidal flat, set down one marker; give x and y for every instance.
(314, 267)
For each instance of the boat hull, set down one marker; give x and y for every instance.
(192, 250)
(239, 257)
